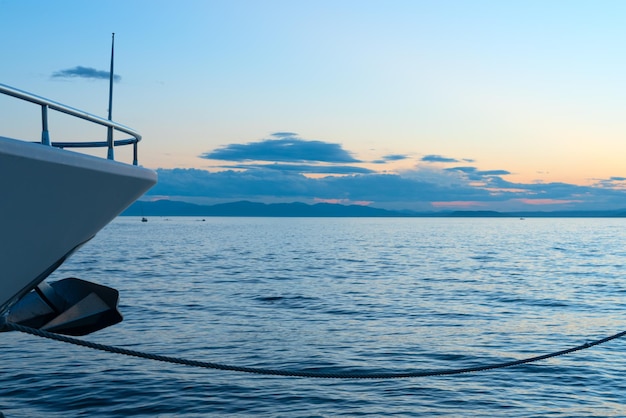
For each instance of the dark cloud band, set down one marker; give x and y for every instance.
(287, 148)
(438, 159)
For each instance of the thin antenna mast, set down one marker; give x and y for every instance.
(110, 129)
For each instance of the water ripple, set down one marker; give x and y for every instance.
(340, 295)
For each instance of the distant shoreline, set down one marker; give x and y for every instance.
(296, 209)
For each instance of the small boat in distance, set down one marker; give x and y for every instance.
(53, 202)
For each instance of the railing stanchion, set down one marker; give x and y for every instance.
(110, 143)
(45, 135)
(135, 153)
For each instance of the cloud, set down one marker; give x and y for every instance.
(285, 167)
(466, 170)
(284, 147)
(438, 159)
(494, 172)
(85, 72)
(305, 168)
(266, 184)
(614, 182)
(474, 174)
(391, 157)
(384, 190)
(420, 189)
(284, 134)
(395, 157)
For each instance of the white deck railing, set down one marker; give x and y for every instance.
(45, 136)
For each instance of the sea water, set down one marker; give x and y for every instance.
(339, 295)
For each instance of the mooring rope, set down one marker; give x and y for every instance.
(301, 373)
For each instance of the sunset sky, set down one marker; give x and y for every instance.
(425, 105)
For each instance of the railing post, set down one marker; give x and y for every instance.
(110, 143)
(45, 135)
(135, 153)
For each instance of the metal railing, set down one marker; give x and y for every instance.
(45, 135)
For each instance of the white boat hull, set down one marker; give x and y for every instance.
(51, 202)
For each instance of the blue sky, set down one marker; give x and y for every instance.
(429, 105)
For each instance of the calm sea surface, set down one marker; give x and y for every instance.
(339, 295)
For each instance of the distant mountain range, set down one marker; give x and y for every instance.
(245, 208)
